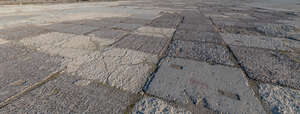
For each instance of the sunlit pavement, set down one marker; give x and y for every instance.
(151, 56)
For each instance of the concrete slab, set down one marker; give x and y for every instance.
(74, 15)
(269, 15)
(217, 87)
(142, 43)
(196, 27)
(123, 23)
(255, 26)
(98, 23)
(127, 20)
(239, 15)
(153, 105)
(107, 33)
(244, 29)
(194, 18)
(155, 32)
(120, 68)
(124, 64)
(62, 95)
(288, 5)
(261, 42)
(275, 30)
(8, 19)
(126, 69)
(66, 45)
(293, 22)
(18, 73)
(279, 99)
(209, 52)
(231, 22)
(269, 66)
(18, 33)
(166, 20)
(10, 52)
(211, 37)
(145, 16)
(125, 26)
(71, 28)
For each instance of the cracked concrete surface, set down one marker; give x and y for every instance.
(261, 42)
(209, 52)
(198, 81)
(120, 68)
(151, 56)
(281, 100)
(154, 31)
(153, 105)
(66, 45)
(269, 66)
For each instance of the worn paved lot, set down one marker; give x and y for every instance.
(151, 56)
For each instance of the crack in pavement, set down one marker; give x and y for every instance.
(50, 77)
(256, 94)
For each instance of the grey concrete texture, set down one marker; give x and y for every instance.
(261, 14)
(122, 23)
(7, 19)
(63, 95)
(257, 21)
(148, 44)
(196, 27)
(238, 29)
(194, 18)
(269, 66)
(217, 87)
(65, 44)
(210, 37)
(18, 33)
(98, 23)
(90, 58)
(261, 42)
(127, 20)
(226, 21)
(155, 32)
(150, 56)
(167, 20)
(150, 105)
(276, 30)
(106, 33)
(9, 52)
(126, 27)
(119, 68)
(209, 52)
(293, 22)
(18, 73)
(71, 28)
(280, 99)
(261, 29)
(271, 15)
